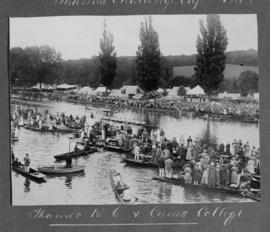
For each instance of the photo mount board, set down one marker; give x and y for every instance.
(238, 217)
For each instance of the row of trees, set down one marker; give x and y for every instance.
(150, 69)
(34, 65)
(210, 58)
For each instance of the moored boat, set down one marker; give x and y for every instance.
(61, 169)
(117, 120)
(119, 191)
(148, 163)
(33, 174)
(55, 129)
(140, 162)
(253, 194)
(117, 148)
(176, 181)
(75, 154)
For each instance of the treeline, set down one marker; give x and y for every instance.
(149, 68)
(86, 71)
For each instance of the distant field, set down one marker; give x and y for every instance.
(231, 70)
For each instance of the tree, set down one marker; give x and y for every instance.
(107, 57)
(35, 65)
(211, 58)
(19, 67)
(248, 82)
(166, 72)
(148, 57)
(180, 80)
(181, 91)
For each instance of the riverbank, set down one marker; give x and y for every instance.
(94, 185)
(200, 110)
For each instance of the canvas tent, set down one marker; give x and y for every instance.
(42, 87)
(86, 90)
(100, 91)
(187, 89)
(196, 91)
(116, 93)
(131, 91)
(160, 90)
(233, 96)
(172, 94)
(66, 87)
(138, 96)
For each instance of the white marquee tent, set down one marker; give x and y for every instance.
(86, 90)
(196, 91)
(66, 87)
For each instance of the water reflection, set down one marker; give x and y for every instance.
(165, 192)
(93, 186)
(68, 181)
(27, 183)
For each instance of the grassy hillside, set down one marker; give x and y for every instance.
(231, 70)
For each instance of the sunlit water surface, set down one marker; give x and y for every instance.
(93, 187)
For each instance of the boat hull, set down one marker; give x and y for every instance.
(117, 195)
(116, 149)
(56, 130)
(141, 163)
(33, 174)
(176, 181)
(75, 154)
(54, 170)
(148, 163)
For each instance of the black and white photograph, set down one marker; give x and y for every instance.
(134, 109)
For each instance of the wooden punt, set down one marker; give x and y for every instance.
(117, 149)
(119, 196)
(253, 194)
(33, 174)
(148, 163)
(180, 182)
(75, 154)
(61, 169)
(132, 122)
(141, 162)
(57, 129)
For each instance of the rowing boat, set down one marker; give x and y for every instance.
(180, 182)
(75, 154)
(33, 174)
(120, 191)
(55, 129)
(61, 169)
(140, 162)
(133, 122)
(117, 195)
(148, 163)
(117, 148)
(253, 195)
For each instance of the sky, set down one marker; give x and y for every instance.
(78, 37)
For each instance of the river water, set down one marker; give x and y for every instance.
(93, 187)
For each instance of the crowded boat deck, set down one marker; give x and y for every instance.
(169, 160)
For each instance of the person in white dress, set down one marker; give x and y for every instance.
(136, 152)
